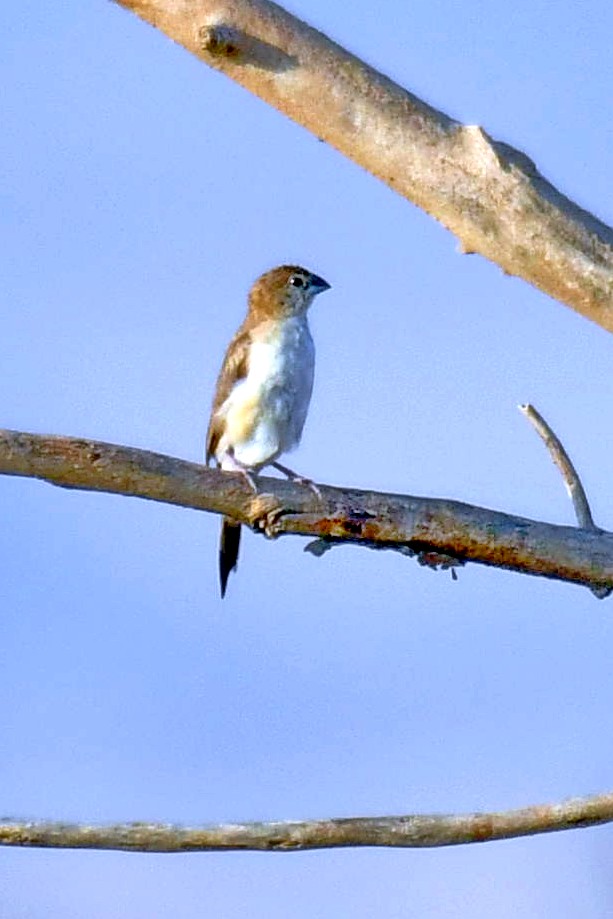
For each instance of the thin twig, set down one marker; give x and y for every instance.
(409, 831)
(571, 478)
(574, 486)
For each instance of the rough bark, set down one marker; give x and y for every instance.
(408, 831)
(438, 531)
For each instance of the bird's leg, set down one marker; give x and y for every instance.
(299, 479)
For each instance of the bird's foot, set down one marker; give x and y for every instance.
(249, 480)
(231, 464)
(299, 479)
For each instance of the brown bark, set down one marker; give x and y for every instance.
(427, 527)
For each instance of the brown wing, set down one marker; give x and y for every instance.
(235, 367)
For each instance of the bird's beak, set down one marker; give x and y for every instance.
(318, 284)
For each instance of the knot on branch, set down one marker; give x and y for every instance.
(220, 40)
(265, 514)
(225, 42)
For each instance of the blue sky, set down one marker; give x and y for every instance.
(142, 193)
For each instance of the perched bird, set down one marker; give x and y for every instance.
(264, 387)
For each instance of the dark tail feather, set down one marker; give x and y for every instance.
(229, 544)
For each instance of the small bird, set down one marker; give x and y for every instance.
(264, 388)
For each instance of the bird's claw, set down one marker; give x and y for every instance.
(298, 479)
(249, 480)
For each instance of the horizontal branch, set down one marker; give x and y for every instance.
(410, 831)
(489, 194)
(387, 521)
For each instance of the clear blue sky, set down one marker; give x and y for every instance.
(141, 194)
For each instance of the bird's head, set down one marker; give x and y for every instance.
(285, 291)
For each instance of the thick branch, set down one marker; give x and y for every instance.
(410, 831)
(373, 519)
(487, 193)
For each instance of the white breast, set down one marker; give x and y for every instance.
(265, 412)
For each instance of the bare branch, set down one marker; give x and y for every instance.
(571, 478)
(574, 486)
(410, 831)
(372, 519)
(487, 193)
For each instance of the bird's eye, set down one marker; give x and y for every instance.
(297, 281)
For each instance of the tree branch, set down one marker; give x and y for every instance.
(409, 831)
(570, 476)
(574, 486)
(408, 524)
(486, 192)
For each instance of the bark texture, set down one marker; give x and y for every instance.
(490, 195)
(438, 531)
(410, 831)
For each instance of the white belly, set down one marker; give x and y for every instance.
(265, 412)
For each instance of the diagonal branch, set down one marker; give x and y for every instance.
(490, 195)
(408, 524)
(409, 831)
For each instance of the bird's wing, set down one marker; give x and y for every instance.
(235, 368)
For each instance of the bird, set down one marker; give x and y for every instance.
(264, 388)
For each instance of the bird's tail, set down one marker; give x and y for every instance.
(229, 544)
